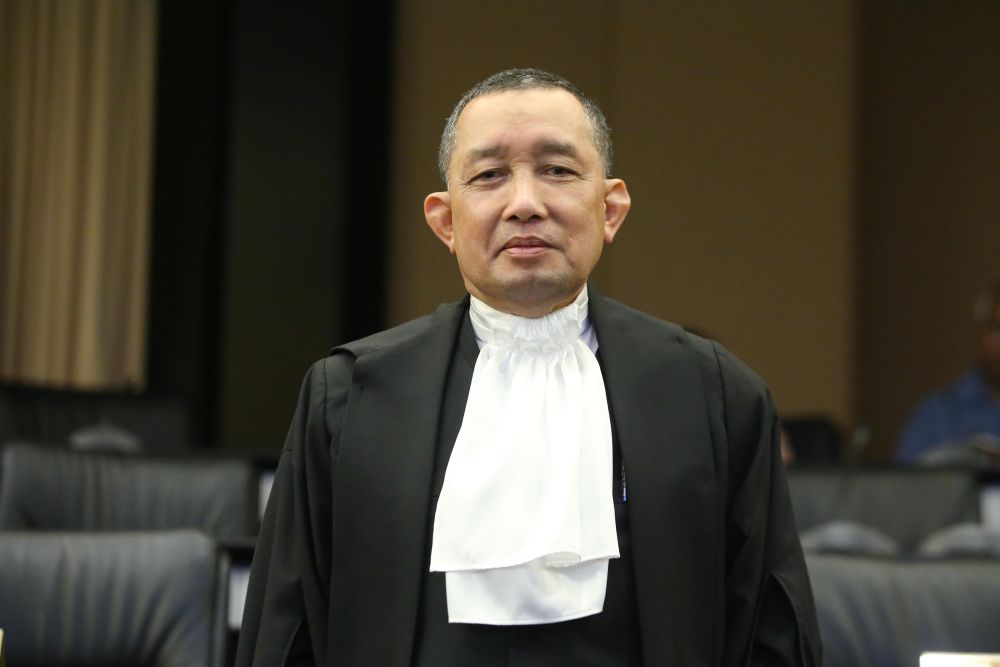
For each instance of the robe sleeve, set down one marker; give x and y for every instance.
(287, 605)
(770, 614)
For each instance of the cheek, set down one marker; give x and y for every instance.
(589, 243)
(469, 248)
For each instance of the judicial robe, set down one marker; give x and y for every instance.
(719, 577)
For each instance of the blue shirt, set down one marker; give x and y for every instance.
(951, 415)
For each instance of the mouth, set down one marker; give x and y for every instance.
(525, 246)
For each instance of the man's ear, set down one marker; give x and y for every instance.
(437, 212)
(617, 202)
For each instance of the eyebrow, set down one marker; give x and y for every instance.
(544, 147)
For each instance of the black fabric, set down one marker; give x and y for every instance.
(608, 638)
(892, 500)
(344, 539)
(139, 598)
(886, 612)
(45, 488)
(776, 631)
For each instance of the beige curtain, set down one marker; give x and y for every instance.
(76, 121)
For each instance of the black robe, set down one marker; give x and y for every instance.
(718, 568)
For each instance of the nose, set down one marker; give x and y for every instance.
(526, 203)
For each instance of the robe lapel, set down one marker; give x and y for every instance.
(382, 492)
(655, 393)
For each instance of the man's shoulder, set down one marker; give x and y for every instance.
(406, 333)
(653, 333)
(614, 317)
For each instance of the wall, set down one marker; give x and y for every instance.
(286, 182)
(733, 128)
(930, 214)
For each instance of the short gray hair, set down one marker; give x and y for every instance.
(526, 79)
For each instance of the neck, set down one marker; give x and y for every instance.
(530, 310)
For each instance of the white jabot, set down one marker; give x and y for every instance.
(525, 523)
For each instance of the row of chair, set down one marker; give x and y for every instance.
(124, 558)
(907, 505)
(886, 612)
(54, 416)
(136, 598)
(48, 488)
(162, 579)
(902, 561)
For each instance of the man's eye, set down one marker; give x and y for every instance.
(487, 175)
(560, 171)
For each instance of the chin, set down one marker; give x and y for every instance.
(542, 290)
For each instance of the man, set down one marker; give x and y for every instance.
(535, 475)
(966, 414)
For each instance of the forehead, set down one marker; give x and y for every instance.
(515, 116)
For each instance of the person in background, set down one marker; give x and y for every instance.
(967, 413)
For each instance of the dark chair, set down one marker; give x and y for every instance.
(964, 540)
(140, 598)
(105, 437)
(47, 488)
(8, 422)
(814, 439)
(879, 612)
(907, 504)
(50, 416)
(981, 452)
(849, 537)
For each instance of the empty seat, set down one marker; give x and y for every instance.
(907, 504)
(849, 537)
(967, 539)
(981, 451)
(876, 612)
(45, 488)
(112, 599)
(49, 416)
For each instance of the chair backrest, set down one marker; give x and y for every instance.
(45, 488)
(137, 598)
(965, 540)
(981, 451)
(40, 414)
(907, 504)
(874, 612)
(848, 537)
(814, 438)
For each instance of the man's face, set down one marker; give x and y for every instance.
(989, 346)
(528, 210)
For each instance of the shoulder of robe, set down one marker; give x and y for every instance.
(403, 333)
(741, 384)
(749, 415)
(738, 382)
(612, 319)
